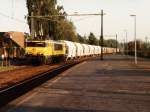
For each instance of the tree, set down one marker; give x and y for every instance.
(41, 8)
(51, 26)
(66, 31)
(110, 43)
(82, 39)
(92, 39)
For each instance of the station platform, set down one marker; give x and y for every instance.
(115, 84)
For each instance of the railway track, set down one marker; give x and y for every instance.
(10, 93)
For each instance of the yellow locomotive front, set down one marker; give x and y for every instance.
(44, 51)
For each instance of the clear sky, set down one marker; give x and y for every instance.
(117, 17)
(12, 14)
(116, 20)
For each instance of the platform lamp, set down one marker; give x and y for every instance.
(135, 57)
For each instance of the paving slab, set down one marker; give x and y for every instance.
(113, 85)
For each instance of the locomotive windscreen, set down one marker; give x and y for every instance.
(58, 47)
(36, 44)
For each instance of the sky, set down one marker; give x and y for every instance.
(116, 20)
(12, 13)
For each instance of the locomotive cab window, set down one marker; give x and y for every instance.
(36, 44)
(58, 47)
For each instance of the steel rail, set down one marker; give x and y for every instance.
(9, 94)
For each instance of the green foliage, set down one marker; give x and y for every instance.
(110, 43)
(66, 31)
(82, 39)
(40, 8)
(143, 49)
(92, 39)
(50, 26)
(6, 68)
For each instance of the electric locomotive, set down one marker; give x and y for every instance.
(44, 51)
(48, 51)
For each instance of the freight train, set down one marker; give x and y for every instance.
(47, 51)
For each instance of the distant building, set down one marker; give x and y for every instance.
(12, 44)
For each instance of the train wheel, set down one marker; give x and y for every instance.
(47, 60)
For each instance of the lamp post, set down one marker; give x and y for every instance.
(123, 44)
(116, 43)
(135, 37)
(126, 38)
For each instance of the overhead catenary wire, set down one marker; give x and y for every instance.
(78, 20)
(73, 15)
(49, 17)
(12, 18)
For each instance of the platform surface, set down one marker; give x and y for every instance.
(115, 84)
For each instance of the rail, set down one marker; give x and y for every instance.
(11, 93)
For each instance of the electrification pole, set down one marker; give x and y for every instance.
(101, 37)
(32, 22)
(116, 43)
(126, 38)
(48, 18)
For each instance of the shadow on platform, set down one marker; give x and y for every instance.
(114, 58)
(51, 109)
(123, 72)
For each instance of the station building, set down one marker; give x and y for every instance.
(12, 44)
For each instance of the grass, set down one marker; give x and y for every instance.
(7, 68)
